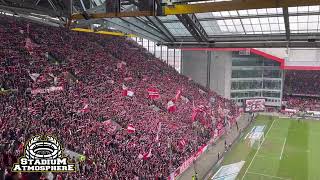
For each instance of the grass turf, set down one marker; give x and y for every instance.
(291, 150)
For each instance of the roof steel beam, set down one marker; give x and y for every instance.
(263, 37)
(234, 5)
(144, 27)
(257, 44)
(192, 24)
(286, 22)
(157, 23)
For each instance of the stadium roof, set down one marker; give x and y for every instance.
(234, 23)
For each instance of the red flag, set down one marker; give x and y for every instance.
(153, 93)
(182, 143)
(171, 107)
(131, 129)
(147, 155)
(178, 95)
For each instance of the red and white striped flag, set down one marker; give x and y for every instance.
(182, 143)
(171, 107)
(153, 93)
(131, 129)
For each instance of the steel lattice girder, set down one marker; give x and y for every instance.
(235, 5)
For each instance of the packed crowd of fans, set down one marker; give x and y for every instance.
(301, 90)
(302, 82)
(128, 113)
(302, 103)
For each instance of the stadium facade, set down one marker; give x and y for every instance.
(237, 74)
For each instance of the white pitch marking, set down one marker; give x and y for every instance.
(266, 175)
(258, 150)
(284, 144)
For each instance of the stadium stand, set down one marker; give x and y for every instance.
(131, 115)
(302, 82)
(301, 90)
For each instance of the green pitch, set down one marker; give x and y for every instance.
(290, 150)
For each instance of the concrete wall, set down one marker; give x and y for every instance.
(296, 56)
(210, 69)
(194, 65)
(220, 73)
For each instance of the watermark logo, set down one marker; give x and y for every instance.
(43, 154)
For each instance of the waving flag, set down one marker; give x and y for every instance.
(196, 111)
(146, 155)
(126, 91)
(121, 64)
(30, 45)
(85, 108)
(171, 107)
(182, 143)
(131, 129)
(158, 132)
(153, 93)
(178, 95)
(34, 76)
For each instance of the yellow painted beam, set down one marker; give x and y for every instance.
(235, 5)
(103, 32)
(112, 15)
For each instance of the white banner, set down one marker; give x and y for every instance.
(255, 105)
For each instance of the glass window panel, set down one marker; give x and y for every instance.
(293, 19)
(281, 20)
(246, 21)
(225, 13)
(302, 26)
(264, 20)
(256, 27)
(243, 12)
(228, 22)
(237, 21)
(272, 10)
(233, 13)
(293, 9)
(314, 8)
(248, 28)
(303, 9)
(224, 28)
(265, 27)
(239, 28)
(255, 21)
(273, 20)
(274, 27)
(262, 11)
(312, 26)
(302, 18)
(221, 23)
(279, 11)
(252, 12)
(313, 18)
(231, 28)
(216, 14)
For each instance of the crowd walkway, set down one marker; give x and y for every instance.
(206, 162)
